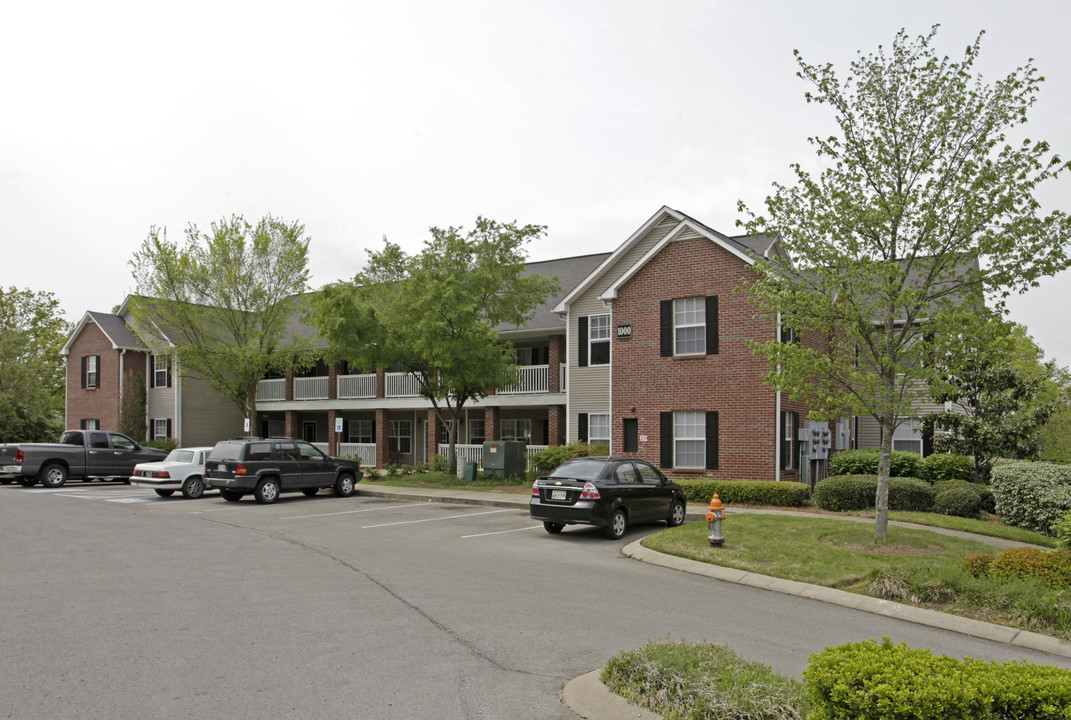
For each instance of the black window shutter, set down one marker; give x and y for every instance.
(927, 439)
(795, 436)
(712, 441)
(169, 427)
(152, 371)
(712, 324)
(169, 371)
(665, 328)
(97, 382)
(82, 423)
(582, 341)
(83, 372)
(582, 427)
(665, 421)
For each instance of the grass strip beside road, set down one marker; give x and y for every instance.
(912, 566)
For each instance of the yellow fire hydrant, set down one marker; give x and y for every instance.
(715, 514)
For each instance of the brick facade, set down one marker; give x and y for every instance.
(645, 384)
(99, 403)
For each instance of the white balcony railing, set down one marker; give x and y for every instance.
(352, 387)
(364, 452)
(310, 388)
(274, 389)
(530, 379)
(402, 384)
(474, 453)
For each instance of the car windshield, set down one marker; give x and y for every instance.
(580, 469)
(180, 456)
(226, 451)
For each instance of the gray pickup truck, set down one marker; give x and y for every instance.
(80, 454)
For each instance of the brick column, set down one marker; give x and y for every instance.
(332, 436)
(289, 385)
(556, 425)
(332, 382)
(381, 383)
(382, 437)
(434, 427)
(492, 423)
(556, 356)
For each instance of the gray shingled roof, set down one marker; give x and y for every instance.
(116, 330)
(570, 273)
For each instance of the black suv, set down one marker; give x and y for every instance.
(269, 466)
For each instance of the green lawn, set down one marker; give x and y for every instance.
(912, 566)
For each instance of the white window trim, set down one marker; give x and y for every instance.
(156, 370)
(394, 433)
(702, 325)
(679, 437)
(592, 339)
(517, 424)
(592, 437)
(355, 434)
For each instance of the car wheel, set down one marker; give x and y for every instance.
(193, 488)
(52, 475)
(165, 493)
(344, 485)
(309, 492)
(231, 495)
(267, 491)
(552, 527)
(676, 514)
(27, 481)
(615, 530)
(6, 481)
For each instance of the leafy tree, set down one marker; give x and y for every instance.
(1000, 393)
(221, 303)
(922, 208)
(437, 314)
(32, 371)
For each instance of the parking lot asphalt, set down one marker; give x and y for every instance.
(589, 698)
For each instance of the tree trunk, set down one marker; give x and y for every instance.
(881, 501)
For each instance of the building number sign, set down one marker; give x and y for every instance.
(624, 331)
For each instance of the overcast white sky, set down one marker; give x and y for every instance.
(365, 119)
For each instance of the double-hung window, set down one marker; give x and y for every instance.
(360, 431)
(907, 437)
(476, 432)
(161, 371)
(161, 428)
(91, 371)
(599, 428)
(593, 337)
(400, 439)
(689, 439)
(517, 429)
(689, 326)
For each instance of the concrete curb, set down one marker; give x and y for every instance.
(589, 698)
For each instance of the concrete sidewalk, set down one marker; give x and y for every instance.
(589, 698)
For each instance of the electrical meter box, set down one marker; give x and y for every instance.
(504, 458)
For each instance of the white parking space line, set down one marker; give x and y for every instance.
(448, 517)
(350, 512)
(501, 532)
(133, 499)
(58, 490)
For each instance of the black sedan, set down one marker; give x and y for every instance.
(609, 492)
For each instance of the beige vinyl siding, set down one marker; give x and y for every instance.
(160, 403)
(589, 387)
(207, 417)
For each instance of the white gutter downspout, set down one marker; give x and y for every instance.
(777, 418)
(176, 383)
(122, 377)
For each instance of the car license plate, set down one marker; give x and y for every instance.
(557, 494)
(11, 469)
(222, 467)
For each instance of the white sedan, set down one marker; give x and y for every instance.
(183, 469)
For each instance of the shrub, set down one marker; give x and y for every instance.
(746, 492)
(440, 463)
(545, 461)
(881, 680)
(958, 501)
(162, 444)
(1062, 528)
(977, 564)
(942, 466)
(865, 462)
(1031, 495)
(1052, 566)
(859, 492)
(984, 492)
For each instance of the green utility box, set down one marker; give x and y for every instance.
(470, 471)
(504, 458)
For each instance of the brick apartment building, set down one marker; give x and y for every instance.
(645, 349)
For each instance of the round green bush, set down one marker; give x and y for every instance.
(958, 501)
(859, 492)
(865, 462)
(699, 491)
(942, 466)
(984, 492)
